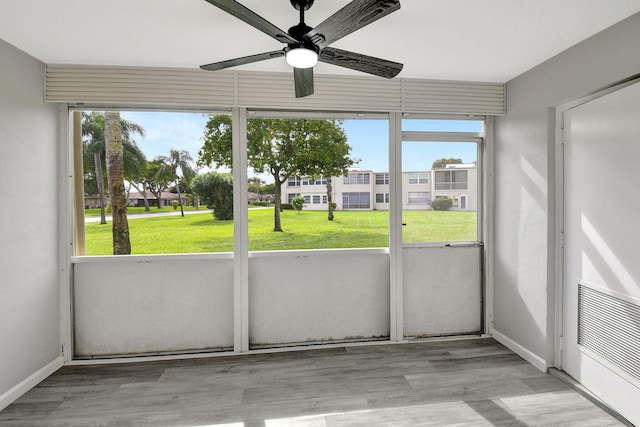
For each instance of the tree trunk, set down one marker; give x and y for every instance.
(330, 199)
(143, 191)
(115, 178)
(278, 205)
(179, 196)
(100, 183)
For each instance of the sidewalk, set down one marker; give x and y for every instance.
(149, 215)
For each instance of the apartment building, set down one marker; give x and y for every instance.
(367, 189)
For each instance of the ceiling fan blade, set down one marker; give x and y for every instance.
(303, 78)
(241, 12)
(360, 62)
(353, 16)
(242, 61)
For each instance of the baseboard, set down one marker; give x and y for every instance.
(521, 351)
(28, 383)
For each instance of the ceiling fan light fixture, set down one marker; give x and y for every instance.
(301, 57)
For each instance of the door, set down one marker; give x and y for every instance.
(601, 289)
(441, 250)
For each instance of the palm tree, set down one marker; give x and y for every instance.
(177, 159)
(93, 125)
(114, 155)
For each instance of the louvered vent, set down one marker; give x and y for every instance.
(610, 327)
(167, 87)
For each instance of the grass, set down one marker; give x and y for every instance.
(308, 230)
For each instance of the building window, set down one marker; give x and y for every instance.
(291, 196)
(320, 181)
(307, 199)
(316, 200)
(382, 197)
(324, 200)
(357, 178)
(382, 178)
(294, 181)
(355, 200)
(305, 181)
(451, 180)
(419, 198)
(419, 178)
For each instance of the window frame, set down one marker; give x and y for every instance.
(456, 137)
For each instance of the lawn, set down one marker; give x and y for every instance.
(308, 230)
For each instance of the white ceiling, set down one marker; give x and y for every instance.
(471, 40)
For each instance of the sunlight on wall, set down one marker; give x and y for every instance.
(617, 267)
(532, 245)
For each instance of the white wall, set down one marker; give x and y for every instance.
(29, 301)
(164, 303)
(524, 277)
(314, 296)
(442, 290)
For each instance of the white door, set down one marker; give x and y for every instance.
(601, 294)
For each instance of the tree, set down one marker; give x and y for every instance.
(442, 163)
(156, 182)
(327, 155)
(280, 147)
(115, 178)
(297, 203)
(93, 129)
(216, 191)
(169, 165)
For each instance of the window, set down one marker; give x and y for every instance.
(382, 197)
(419, 198)
(354, 200)
(451, 180)
(382, 178)
(438, 175)
(294, 181)
(357, 178)
(290, 197)
(157, 163)
(419, 178)
(368, 147)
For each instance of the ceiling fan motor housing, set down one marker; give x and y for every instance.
(302, 4)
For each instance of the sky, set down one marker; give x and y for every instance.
(368, 138)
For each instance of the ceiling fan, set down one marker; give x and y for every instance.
(306, 46)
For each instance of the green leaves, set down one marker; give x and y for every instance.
(216, 191)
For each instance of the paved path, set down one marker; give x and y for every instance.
(149, 215)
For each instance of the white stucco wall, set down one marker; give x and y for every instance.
(524, 277)
(29, 301)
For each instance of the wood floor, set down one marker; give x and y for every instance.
(464, 383)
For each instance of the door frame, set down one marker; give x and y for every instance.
(557, 117)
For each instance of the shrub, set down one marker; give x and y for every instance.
(297, 203)
(286, 207)
(108, 207)
(441, 203)
(216, 191)
(334, 205)
(175, 204)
